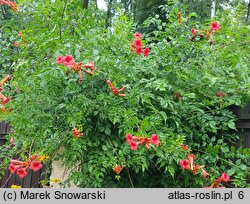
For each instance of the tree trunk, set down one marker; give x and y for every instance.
(213, 9)
(248, 11)
(85, 4)
(109, 12)
(127, 4)
(96, 6)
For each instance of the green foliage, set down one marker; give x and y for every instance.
(50, 103)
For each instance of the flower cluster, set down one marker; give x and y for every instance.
(137, 45)
(76, 67)
(117, 169)
(20, 167)
(9, 3)
(115, 90)
(76, 133)
(134, 141)
(189, 164)
(217, 183)
(4, 99)
(214, 26)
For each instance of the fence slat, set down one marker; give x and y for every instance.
(2, 128)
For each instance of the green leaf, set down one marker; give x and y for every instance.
(231, 125)
(104, 148)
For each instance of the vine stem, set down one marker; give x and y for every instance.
(31, 146)
(130, 179)
(6, 180)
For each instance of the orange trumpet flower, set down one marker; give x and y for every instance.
(115, 90)
(7, 78)
(9, 3)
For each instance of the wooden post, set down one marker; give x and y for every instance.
(213, 8)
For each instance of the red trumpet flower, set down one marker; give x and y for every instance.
(195, 169)
(89, 72)
(36, 165)
(4, 99)
(184, 147)
(137, 45)
(194, 31)
(76, 133)
(155, 140)
(184, 164)
(138, 35)
(12, 142)
(9, 3)
(7, 78)
(75, 67)
(190, 164)
(204, 173)
(224, 177)
(22, 172)
(115, 90)
(179, 17)
(12, 168)
(214, 26)
(137, 42)
(134, 141)
(20, 167)
(191, 158)
(66, 61)
(146, 51)
(90, 65)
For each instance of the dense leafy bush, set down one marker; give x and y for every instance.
(171, 93)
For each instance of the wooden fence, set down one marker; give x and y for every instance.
(31, 180)
(243, 124)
